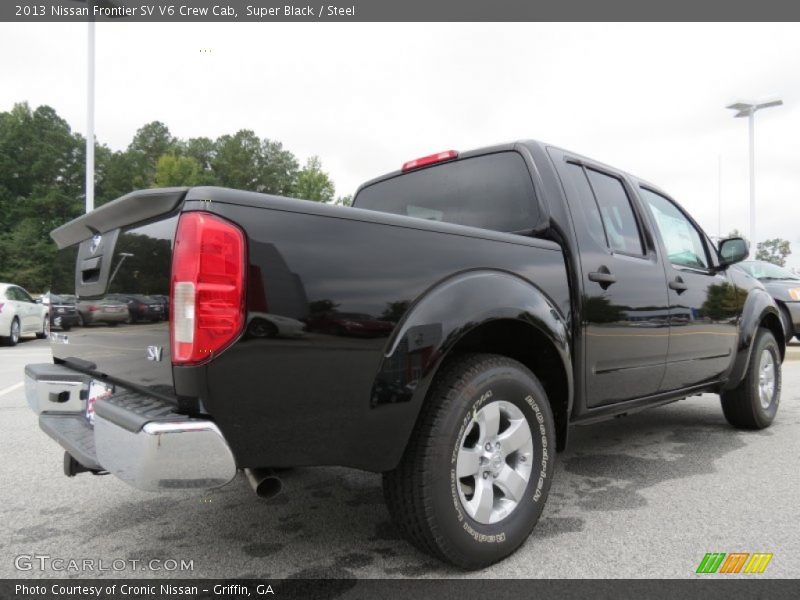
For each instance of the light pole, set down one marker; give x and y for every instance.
(90, 100)
(90, 115)
(749, 109)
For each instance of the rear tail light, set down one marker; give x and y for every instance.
(93, 307)
(2, 304)
(431, 159)
(207, 291)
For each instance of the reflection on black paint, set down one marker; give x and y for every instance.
(407, 365)
(724, 302)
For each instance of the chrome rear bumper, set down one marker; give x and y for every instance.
(137, 438)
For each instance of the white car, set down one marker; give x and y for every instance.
(20, 315)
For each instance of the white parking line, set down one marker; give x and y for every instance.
(11, 388)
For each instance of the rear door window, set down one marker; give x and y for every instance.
(621, 227)
(493, 191)
(588, 205)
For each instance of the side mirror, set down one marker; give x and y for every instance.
(732, 251)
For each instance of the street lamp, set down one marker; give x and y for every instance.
(749, 109)
(122, 257)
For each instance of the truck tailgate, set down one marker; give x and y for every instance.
(116, 260)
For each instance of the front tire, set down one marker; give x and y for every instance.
(45, 329)
(753, 404)
(786, 321)
(476, 473)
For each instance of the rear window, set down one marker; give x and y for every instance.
(493, 191)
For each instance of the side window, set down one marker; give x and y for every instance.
(9, 294)
(25, 296)
(683, 242)
(13, 294)
(591, 213)
(621, 228)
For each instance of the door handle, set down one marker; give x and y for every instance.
(602, 276)
(678, 285)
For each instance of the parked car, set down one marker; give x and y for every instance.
(784, 286)
(20, 315)
(62, 310)
(529, 288)
(164, 301)
(141, 307)
(264, 325)
(104, 310)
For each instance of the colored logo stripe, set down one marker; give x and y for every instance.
(711, 562)
(736, 562)
(757, 563)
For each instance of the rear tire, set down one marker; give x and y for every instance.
(457, 494)
(13, 333)
(753, 404)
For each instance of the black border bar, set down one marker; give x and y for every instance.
(167, 11)
(707, 588)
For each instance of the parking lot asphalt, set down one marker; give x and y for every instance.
(641, 496)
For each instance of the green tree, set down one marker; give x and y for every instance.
(151, 141)
(41, 185)
(176, 171)
(42, 178)
(774, 251)
(116, 175)
(244, 161)
(313, 183)
(203, 150)
(237, 160)
(279, 169)
(343, 200)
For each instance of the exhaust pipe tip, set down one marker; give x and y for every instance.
(265, 483)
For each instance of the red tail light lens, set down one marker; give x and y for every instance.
(431, 159)
(207, 290)
(93, 307)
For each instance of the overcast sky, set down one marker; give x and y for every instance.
(366, 97)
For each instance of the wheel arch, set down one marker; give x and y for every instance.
(760, 310)
(486, 311)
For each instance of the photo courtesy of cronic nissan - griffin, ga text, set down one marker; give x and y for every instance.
(445, 331)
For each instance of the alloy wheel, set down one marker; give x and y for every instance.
(493, 465)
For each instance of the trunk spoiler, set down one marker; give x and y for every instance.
(130, 208)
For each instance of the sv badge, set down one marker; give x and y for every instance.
(154, 353)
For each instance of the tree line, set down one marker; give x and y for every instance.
(42, 174)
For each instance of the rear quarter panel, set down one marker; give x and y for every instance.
(283, 399)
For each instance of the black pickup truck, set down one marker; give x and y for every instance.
(445, 331)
